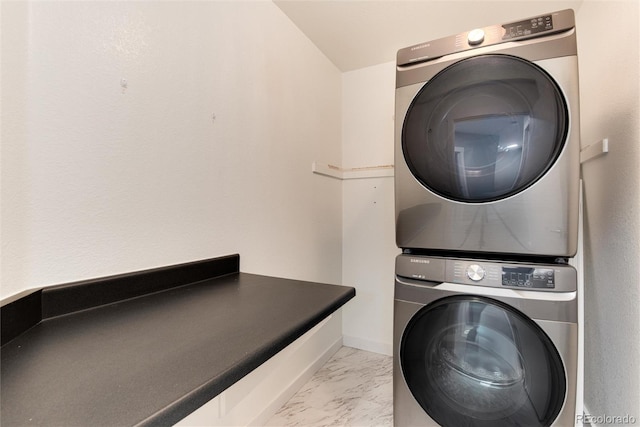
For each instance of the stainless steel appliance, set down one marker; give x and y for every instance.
(484, 343)
(487, 141)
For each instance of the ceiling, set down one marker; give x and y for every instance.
(355, 34)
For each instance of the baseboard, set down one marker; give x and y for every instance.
(368, 345)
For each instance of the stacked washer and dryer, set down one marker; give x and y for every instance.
(487, 216)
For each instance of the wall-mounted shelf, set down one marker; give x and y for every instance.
(600, 148)
(338, 172)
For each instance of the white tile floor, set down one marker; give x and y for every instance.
(354, 388)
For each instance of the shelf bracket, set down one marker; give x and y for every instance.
(600, 148)
(338, 172)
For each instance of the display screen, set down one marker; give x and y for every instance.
(528, 27)
(528, 277)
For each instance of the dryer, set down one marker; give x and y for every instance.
(487, 141)
(484, 343)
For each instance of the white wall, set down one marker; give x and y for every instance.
(609, 69)
(99, 179)
(369, 247)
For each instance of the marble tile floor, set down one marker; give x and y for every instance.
(353, 389)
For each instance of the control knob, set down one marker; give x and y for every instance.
(475, 272)
(475, 37)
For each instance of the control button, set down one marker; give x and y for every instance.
(475, 272)
(475, 37)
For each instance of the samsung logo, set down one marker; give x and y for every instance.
(419, 261)
(421, 46)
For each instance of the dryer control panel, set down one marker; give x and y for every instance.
(529, 27)
(536, 26)
(540, 277)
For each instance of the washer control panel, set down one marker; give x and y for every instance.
(503, 275)
(528, 277)
(541, 277)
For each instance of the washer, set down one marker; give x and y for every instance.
(484, 343)
(487, 141)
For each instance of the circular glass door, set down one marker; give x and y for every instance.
(474, 361)
(484, 128)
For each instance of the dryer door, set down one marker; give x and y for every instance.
(475, 361)
(484, 128)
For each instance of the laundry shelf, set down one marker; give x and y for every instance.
(594, 150)
(338, 172)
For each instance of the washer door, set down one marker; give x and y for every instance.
(475, 361)
(484, 128)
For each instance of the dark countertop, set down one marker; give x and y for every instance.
(153, 359)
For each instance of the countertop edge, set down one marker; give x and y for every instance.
(214, 386)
